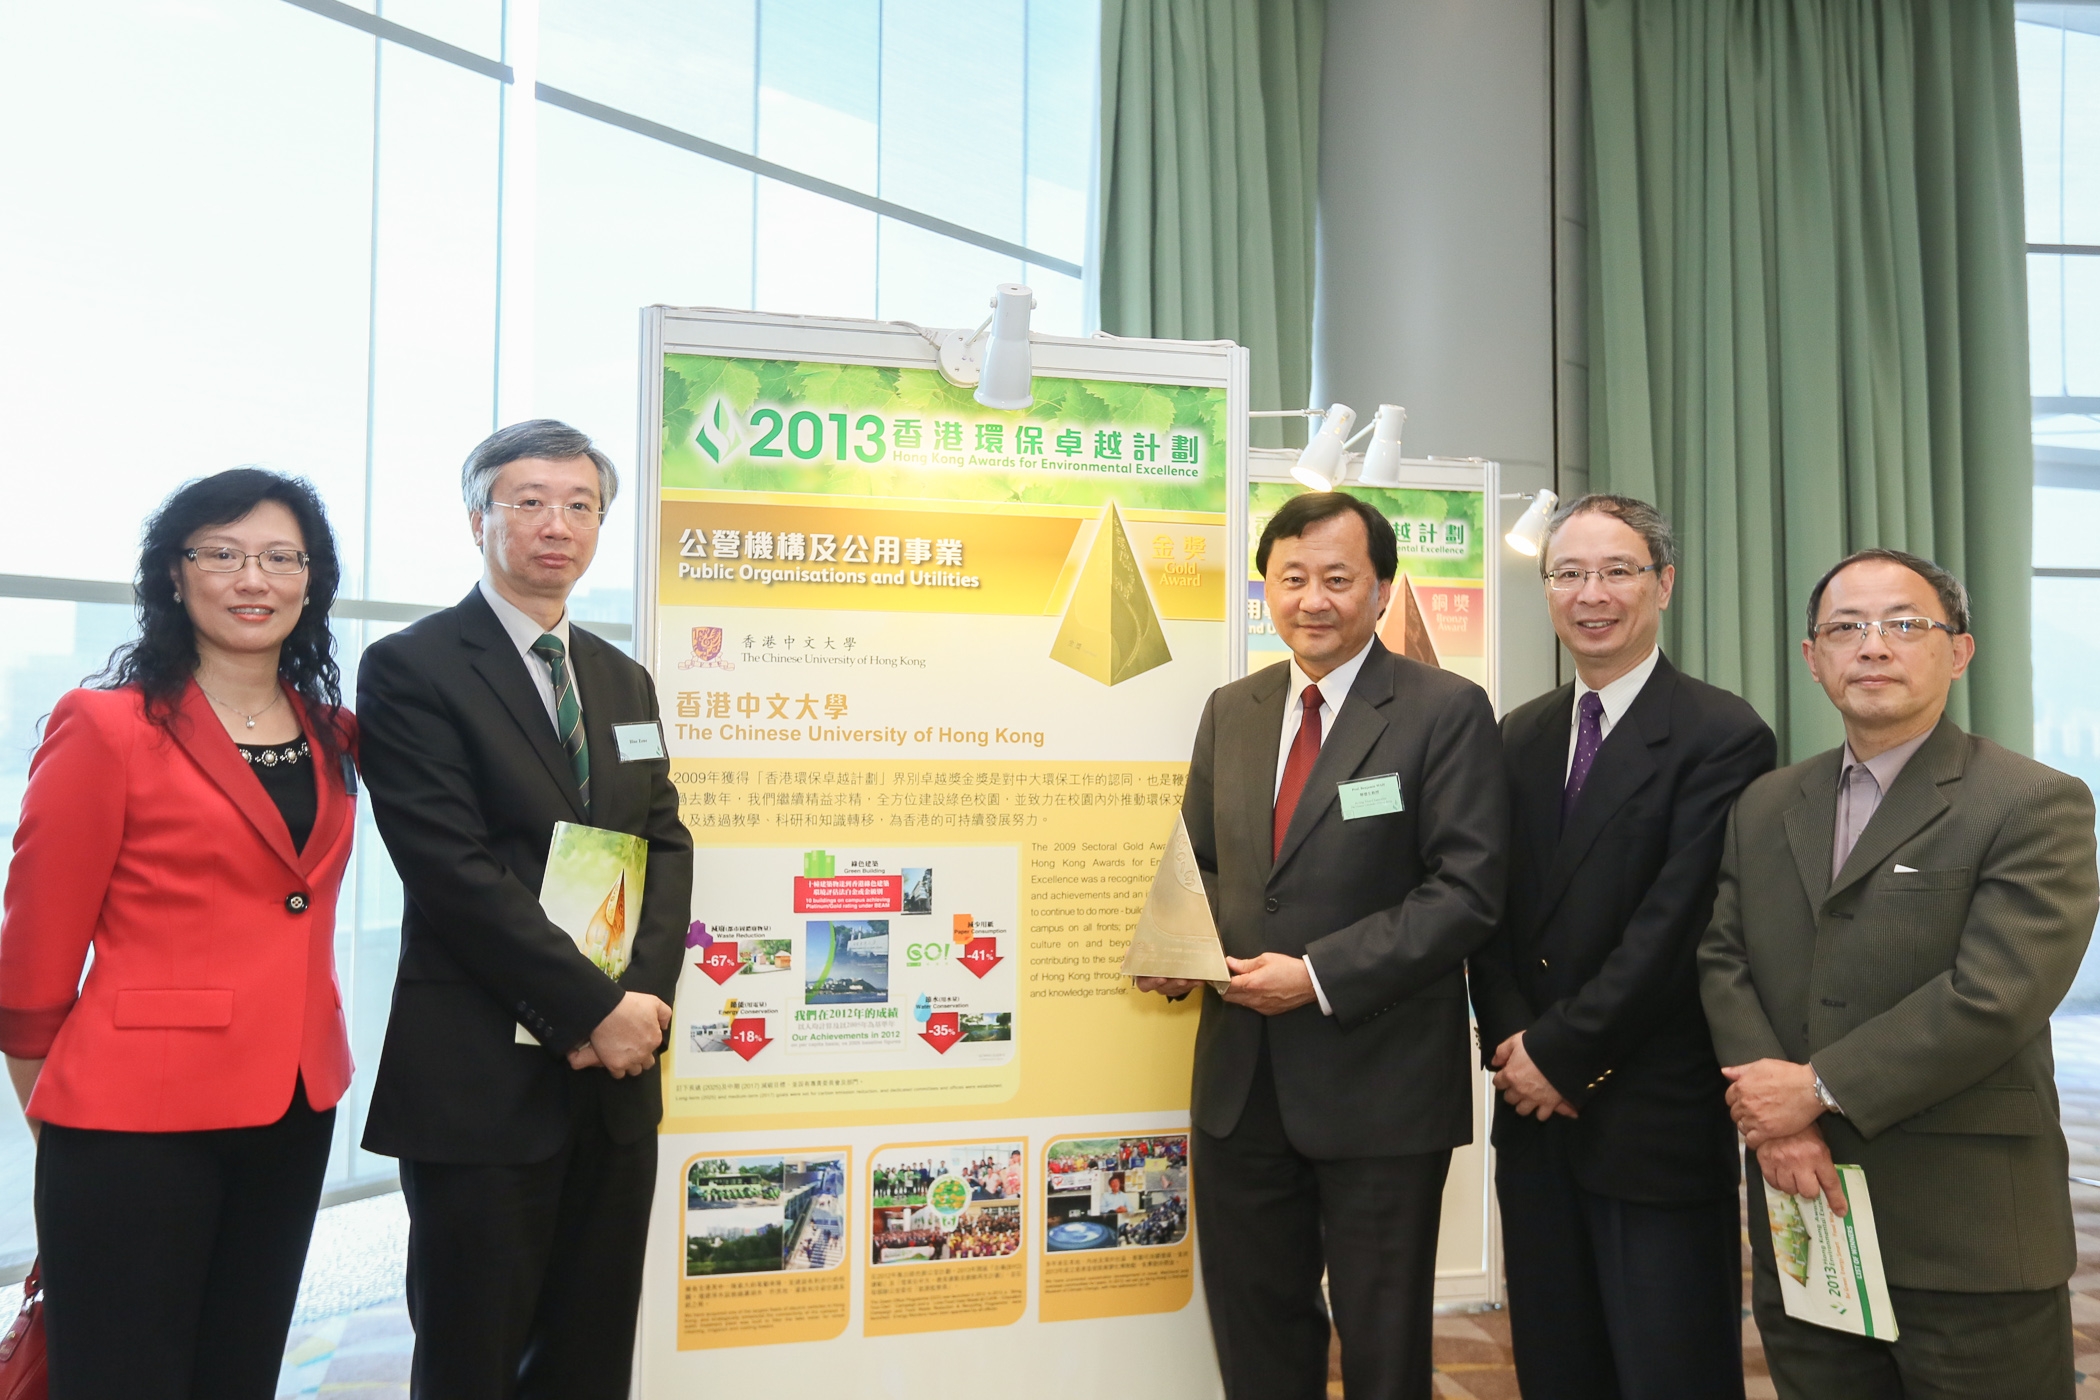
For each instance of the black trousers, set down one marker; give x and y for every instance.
(172, 1260)
(1954, 1346)
(1617, 1300)
(1269, 1220)
(523, 1281)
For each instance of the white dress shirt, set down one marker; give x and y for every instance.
(1334, 691)
(523, 632)
(1617, 697)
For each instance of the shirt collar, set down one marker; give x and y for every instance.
(1334, 686)
(1886, 764)
(522, 630)
(1618, 696)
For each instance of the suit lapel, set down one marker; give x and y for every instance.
(1913, 802)
(1811, 824)
(1623, 766)
(331, 802)
(498, 663)
(1260, 733)
(1357, 727)
(1542, 760)
(205, 740)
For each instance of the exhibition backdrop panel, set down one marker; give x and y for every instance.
(929, 674)
(1443, 613)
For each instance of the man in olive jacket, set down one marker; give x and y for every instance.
(1896, 920)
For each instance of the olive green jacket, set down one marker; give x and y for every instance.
(1919, 983)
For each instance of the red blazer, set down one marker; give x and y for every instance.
(213, 984)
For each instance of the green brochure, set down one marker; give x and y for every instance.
(1829, 1264)
(592, 891)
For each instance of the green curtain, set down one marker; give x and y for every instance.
(1808, 320)
(1210, 132)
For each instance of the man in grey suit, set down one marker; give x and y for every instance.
(1896, 920)
(1348, 812)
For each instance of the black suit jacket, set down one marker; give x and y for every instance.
(467, 781)
(1596, 956)
(1388, 907)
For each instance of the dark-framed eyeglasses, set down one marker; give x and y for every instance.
(1852, 632)
(1613, 576)
(223, 559)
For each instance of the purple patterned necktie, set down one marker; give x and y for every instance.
(1589, 737)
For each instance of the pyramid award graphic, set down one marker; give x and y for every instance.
(1111, 631)
(1176, 936)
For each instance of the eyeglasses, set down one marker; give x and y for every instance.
(577, 515)
(1613, 576)
(220, 559)
(1907, 630)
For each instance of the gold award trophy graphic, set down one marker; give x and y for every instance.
(1111, 630)
(1176, 936)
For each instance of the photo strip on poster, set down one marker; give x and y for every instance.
(929, 676)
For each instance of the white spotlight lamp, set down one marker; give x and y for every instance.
(1382, 458)
(1007, 379)
(1000, 368)
(1320, 466)
(1528, 535)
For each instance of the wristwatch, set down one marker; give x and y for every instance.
(1824, 1097)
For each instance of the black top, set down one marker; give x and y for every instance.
(287, 773)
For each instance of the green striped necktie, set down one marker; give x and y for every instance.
(568, 714)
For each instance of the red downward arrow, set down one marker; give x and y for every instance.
(747, 1034)
(720, 962)
(981, 956)
(943, 1029)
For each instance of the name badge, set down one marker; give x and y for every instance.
(1371, 797)
(637, 742)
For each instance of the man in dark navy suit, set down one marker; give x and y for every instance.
(1616, 1164)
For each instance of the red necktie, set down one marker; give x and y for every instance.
(1305, 751)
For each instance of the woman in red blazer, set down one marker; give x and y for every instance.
(188, 822)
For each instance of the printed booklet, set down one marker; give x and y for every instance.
(592, 891)
(1829, 1264)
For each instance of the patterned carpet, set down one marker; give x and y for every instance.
(363, 1354)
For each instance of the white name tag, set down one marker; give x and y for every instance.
(1372, 797)
(639, 741)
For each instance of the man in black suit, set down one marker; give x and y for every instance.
(1616, 1165)
(1348, 815)
(527, 1169)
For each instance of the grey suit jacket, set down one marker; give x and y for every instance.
(1388, 906)
(1923, 994)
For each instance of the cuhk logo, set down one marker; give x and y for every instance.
(719, 433)
(707, 643)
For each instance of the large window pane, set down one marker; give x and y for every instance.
(2067, 698)
(685, 63)
(623, 222)
(819, 88)
(954, 112)
(1063, 47)
(185, 264)
(813, 256)
(434, 321)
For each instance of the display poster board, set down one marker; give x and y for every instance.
(1443, 613)
(929, 675)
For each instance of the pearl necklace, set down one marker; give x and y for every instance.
(238, 710)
